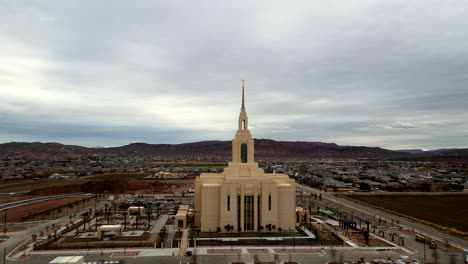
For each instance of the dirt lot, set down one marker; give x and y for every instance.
(448, 210)
(9, 199)
(17, 213)
(108, 183)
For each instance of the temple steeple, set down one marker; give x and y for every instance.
(243, 102)
(242, 145)
(243, 119)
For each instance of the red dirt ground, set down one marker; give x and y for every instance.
(16, 213)
(108, 183)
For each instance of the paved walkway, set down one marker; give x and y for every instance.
(307, 231)
(183, 242)
(170, 236)
(159, 223)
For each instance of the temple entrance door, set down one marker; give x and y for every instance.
(248, 213)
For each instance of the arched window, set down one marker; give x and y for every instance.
(243, 124)
(244, 153)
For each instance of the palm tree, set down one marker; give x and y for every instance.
(125, 219)
(148, 213)
(114, 204)
(108, 216)
(136, 214)
(85, 218)
(158, 207)
(105, 212)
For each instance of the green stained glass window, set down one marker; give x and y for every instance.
(244, 153)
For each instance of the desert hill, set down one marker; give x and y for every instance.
(264, 148)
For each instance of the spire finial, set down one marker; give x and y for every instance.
(243, 104)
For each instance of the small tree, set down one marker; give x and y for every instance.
(162, 234)
(192, 234)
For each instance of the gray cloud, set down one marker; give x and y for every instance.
(390, 74)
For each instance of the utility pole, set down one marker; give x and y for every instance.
(4, 255)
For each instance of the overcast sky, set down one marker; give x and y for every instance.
(392, 74)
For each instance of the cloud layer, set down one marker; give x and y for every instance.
(392, 74)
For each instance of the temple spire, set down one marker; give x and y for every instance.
(243, 104)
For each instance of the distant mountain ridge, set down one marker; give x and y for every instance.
(264, 148)
(411, 151)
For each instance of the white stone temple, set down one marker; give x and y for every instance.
(243, 197)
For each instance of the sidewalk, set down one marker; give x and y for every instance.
(183, 242)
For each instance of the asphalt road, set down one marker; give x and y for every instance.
(20, 237)
(33, 228)
(40, 199)
(12, 194)
(323, 257)
(372, 213)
